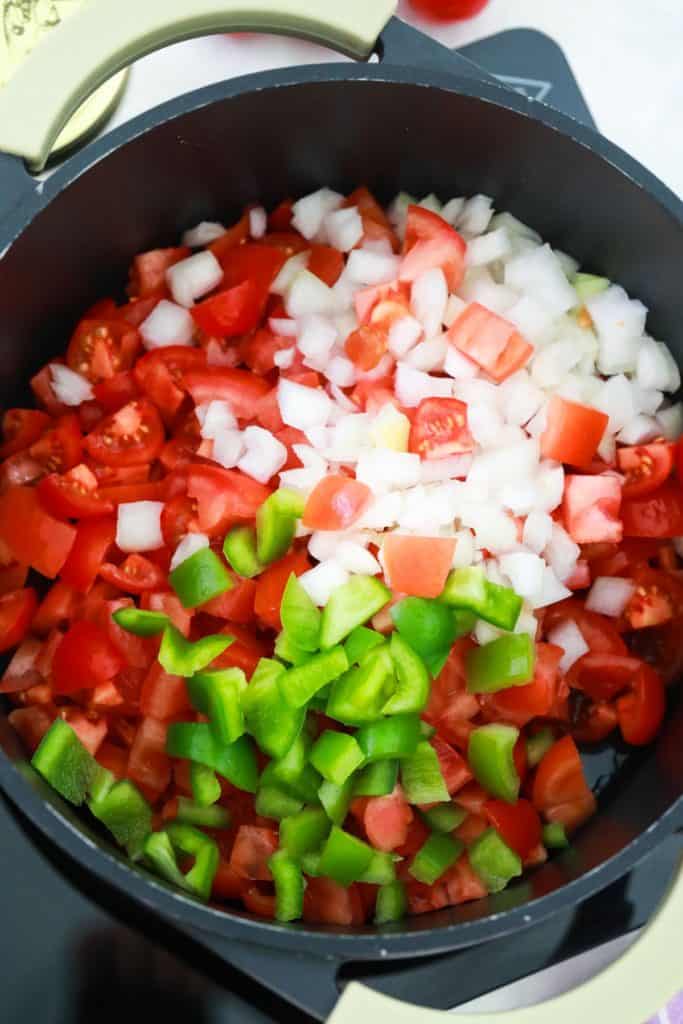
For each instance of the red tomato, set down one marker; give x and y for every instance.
(178, 517)
(84, 659)
(33, 536)
(57, 608)
(431, 242)
(235, 235)
(90, 730)
(490, 341)
(449, 10)
(159, 374)
(645, 467)
(560, 790)
(224, 497)
(599, 631)
(376, 224)
(16, 612)
(246, 651)
(271, 584)
(120, 494)
(12, 577)
(326, 263)
(658, 597)
(132, 436)
(252, 849)
(326, 902)
(135, 574)
(280, 218)
(74, 495)
(163, 696)
(454, 767)
(32, 723)
(440, 429)
(92, 542)
(383, 304)
(239, 388)
(137, 310)
(641, 711)
(544, 696)
(594, 721)
(659, 514)
(170, 605)
(113, 758)
(462, 883)
(258, 349)
(591, 508)
(60, 447)
(518, 824)
(335, 503)
(573, 432)
(20, 429)
(236, 605)
(100, 348)
(366, 346)
(228, 885)
(418, 565)
(230, 313)
(115, 392)
(148, 272)
(149, 766)
(386, 820)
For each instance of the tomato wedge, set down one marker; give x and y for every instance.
(560, 790)
(84, 659)
(60, 447)
(518, 824)
(336, 503)
(33, 536)
(224, 497)
(135, 574)
(93, 540)
(645, 467)
(148, 272)
(439, 429)
(74, 495)
(132, 436)
(366, 345)
(16, 612)
(20, 428)
(239, 388)
(489, 340)
(573, 432)
(159, 374)
(376, 224)
(431, 242)
(658, 514)
(641, 711)
(101, 348)
(417, 566)
(271, 584)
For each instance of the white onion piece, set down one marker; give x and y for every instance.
(308, 295)
(540, 273)
(656, 368)
(464, 549)
(69, 387)
(458, 366)
(383, 512)
(428, 298)
(646, 400)
(193, 277)
(550, 480)
(671, 421)
(485, 633)
(228, 448)
(204, 233)
(341, 372)
(453, 209)
(451, 468)
(609, 595)
(569, 637)
(265, 455)
(429, 355)
(493, 529)
(309, 212)
(302, 407)
(484, 423)
(322, 581)
(550, 592)
(366, 267)
(283, 326)
(616, 399)
(427, 509)
(317, 336)
(323, 543)
(189, 545)
(431, 202)
(284, 358)
(514, 227)
(480, 287)
(607, 449)
(383, 369)
(258, 222)
(384, 470)
(403, 335)
(356, 559)
(619, 323)
(138, 526)
(538, 422)
(499, 466)
(494, 245)
(639, 430)
(215, 417)
(524, 570)
(342, 401)
(520, 498)
(344, 228)
(475, 215)
(167, 324)
(413, 385)
(520, 398)
(551, 364)
(561, 553)
(289, 272)
(531, 319)
(538, 529)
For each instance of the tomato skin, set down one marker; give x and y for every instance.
(148, 272)
(16, 611)
(236, 605)
(641, 711)
(418, 565)
(439, 429)
(240, 388)
(560, 791)
(84, 658)
(449, 10)
(12, 577)
(21, 428)
(518, 824)
(271, 584)
(159, 375)
(32, 535)
(645, 467)
(224, 497)
(100, 348)
(73, 495)
(335, 503)
(573, 432)
(431, 242)
(257, 350)
(59, 448)
(544, 696)
(591, 508)
(658, 514)
(603, 676)
(92, 542)
(149, 766)
(132, 436)
(135, 574)
(490, 341)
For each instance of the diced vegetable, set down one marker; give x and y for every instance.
(490, 754)
(392, 903)
(336, 756)
(350, 606)
(507, 661)
(421, 776)
(298, 685)
(289, 887)
(199, 578)
(344, 857)
(195, 741)
(390, 738)
(378, 779)
(434, 858)
(300, 617)
(494, 861)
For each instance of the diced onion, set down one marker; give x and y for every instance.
(321, 581)
(403, 335)
(562, 553)
(189, 545)
(317, 336)
(341, 371)
(413, 385)
(551, 590)
(671, 421)
(569, 637)
(458, 365)
(537, 531)
(284, 358)
(309, 212)
(204, 233)
(464, 549)
(138, 526)
(289, 271)
(609, 595)
(429, 355)
(656, 368)
(356, 559)
(344, 228)
(384, 470)
(69, 387)
(365, 267)
(453, 467)
(428, 298)
(494, 245)
(191, 278)
(228, 448)
(540, 273)
(308, 294)
(303, 407)
(283, 326)
(215, 417)
(167, 324)
(258, 222)
(524, 570)
(265, 455)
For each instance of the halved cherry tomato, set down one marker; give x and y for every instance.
(641, 711)
(440, 429)
(658, 514)
(591, 508)
(84, 658)
(135, 574)
(518, 824)
(592, 721)
(178, 517)
(239, 388)
(560, 790)
(336, 503)
(573, 432)
(657, 599)
(132, 436)
(645, 467)
(31, 534)
(74, 495)
(417, 566)
(60, 447)
(21, 428)
(148, 272)
(118, 494)
(489, 340)
(100, 348)
(431, 242)
(271, 584)
(91, 544)
(224, 497)
(159, 374)
(16, 612)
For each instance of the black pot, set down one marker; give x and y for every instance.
(419, 120)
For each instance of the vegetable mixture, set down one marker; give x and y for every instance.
(355, 524)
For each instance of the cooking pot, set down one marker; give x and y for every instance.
(407, 115)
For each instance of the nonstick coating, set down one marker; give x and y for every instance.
(286, 133)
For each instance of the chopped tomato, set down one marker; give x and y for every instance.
(32, 723)
(74, 495)
(252, 849)
(454, 767)
(386, 820)
(657, 598)
(163, 696)
(271, 584)
(239, 388)
(645, 467)
(244, 653)
(236, 605)
(16, 612)
(490, 341)
(21, 428)
(149, 766)
(593, 721)
(57, 607)
(119, 494)
(431, 242)
(591, 508)
(224, 497)
(100, 348)
(439, 429)
(84, 659)
(115, 392)
(167, 602)
(31, 534)
(417, 565)
(159, 375)
(560, 790)
(658, 514)
(641, 710)
(135, 574)
(326, 263)
(178, 517)
(599, 631)
(326, 902)
(132, 436)
(280, 218)
(60, 447)
(148, 272)
(137, 310)
(230, 313)
(518, 824)
(376, 224)
(573, 432)
(366, 346)
(92, 542)
(12, 577)
(258, 350)
(544, 696)
(383, 304)
(90, 730)
(336, 503)
(235, 235)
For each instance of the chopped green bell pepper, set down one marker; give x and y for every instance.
(361, 693)
(289, 887)
(191, 841)
(195, 741)
(142, 623)
(538, 745)
(381, 869)
(127, 815)
(206, 789)
(180, 657)
(300, 617)
(436, 662)
(217, 693)
(428, 626)
(276, 524)
(239, 548)
(444, 817)
(392, 903)
(64, 762)
(435, 857)
(412, 689)
(287, 650)
(269, 719)
(336, 799)
(555, 837)
(298, 685)
(426, 730)
(305, 831)
(310, 863)
(190, 813)
(360, 642)
(159, 851)
(494, 861)
(390, 738)
(421, 776)
(336, 755)
(490, 754)
(469, 589)
(378, 779)
(350, 606)
(507, 661)
(272, 802)
(199, 578)
(293, 773)
(344, 858)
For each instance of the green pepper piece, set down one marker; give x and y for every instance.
(180, 657)
(127, 815)
(494, 861)
(287, 650)
(427, 730)
(289, 887)
(469, 589)
(336, 799)
(217, 693)
(303, 788)
(390, 738)
(444, 817)
(588, 285)
(421, 776)
(351, 605)
(436, 662)
(199, 578)
(103, 782)
(490, 755)
(428, 626)
(196, 844)
(195, 741)
(298, 685)
(303, 832)
(378, 779)
(344, 858)
(361, 693)
(300, 617)
(381, 870)
(276, 524)
(270, 720)
(272, 802)
(206, 789)
(64, 762)
(392, 903)
(239, 548)
(434, 858)
(507, 661)
(464, 622)
(159, 851)
(360, 642)
(336, 755)
(538, 745)
(142, 623)
(412, 689)
(190, 813)
(291, 767)
(555, 837)
(310, 863)
(502, 606)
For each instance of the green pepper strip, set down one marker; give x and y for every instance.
(392, 903)
(336, 799)
(190, 813)
(298, 685)
(381, 870)
(421, 776)
(378, 779)
(360, 642)
(555, 837)
(239, 548)
(159, 851)
(412, 690)
(490, 755)
(300, 617)
(276, 524)
(195, 741)
(427, 730)
(206, 789)
(199, 578)
(444, 817)
(289, 887)
(507, 661)
(272, 802)
(270, 720)
(470, 590)
(360, 695)
(336, 755)
(302, 832)
(142, 623)
(351, 605)
(127, 815)
(64, 762)
(344, 858)
(390, 738)
(434, 858)
(287, 650)
(494, 861)
(217, 694)
(196, 844)
(538, 745)
(293, 773)
(180, 657)
(310, 863)
(427, 625)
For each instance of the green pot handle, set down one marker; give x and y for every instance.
(630, 990)
(107, 35)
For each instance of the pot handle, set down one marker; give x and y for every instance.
(630, 990)
(107, 35)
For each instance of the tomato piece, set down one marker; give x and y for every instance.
(658, 514)
(91, 544)
(21, 428)
(224, 497)
(230, 313)
(366, 345)
(253, 262)
(603, 676)
(235, 235)
(439, 429)
(544, 696)
(383, 304)
(57, 608)
(137, 310)
(449, 10)
(252, 849)
(376, 224)
(599, 631)
(159, 374)
(149, 766)
(90, 730)
(271, 584)
(236, 605)
(16, 611)
(60, 447)
(258, 349)
(113, 758)
(591, 508)
(156, 490)
(12, 577)
(170, 605)
(641, 711)
(100, 348)
(132, 436)
(135, 574)
(560, 791)
(74, 495)
(490, 341)
(454, 767)
(147, 275)
(31, 724)
(449, 701)
(178, 517)
(84, 659)
(326, 263)
(592, 722)
(646, 467)
(518, 824)
(163, 696)
(335, 503)
(244, 653)
(326, 902)
(280, 218)
(657, 598)
(573, 432)
(386, 820)
(417, 565)
(431, 242)
(31, 534)
(239, 388)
